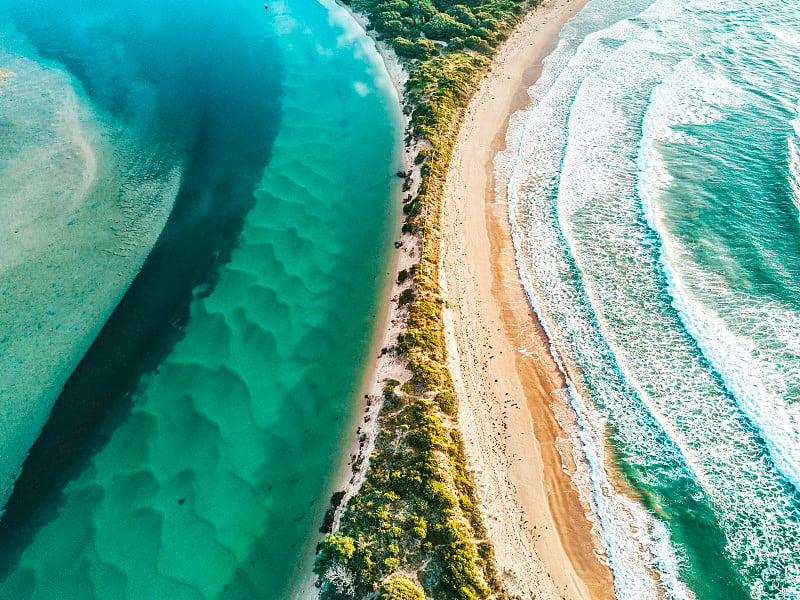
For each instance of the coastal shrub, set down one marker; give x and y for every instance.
(463, 14)
(424, 312)
(426, 372)
(455, 43)
(448, 21)
(447, 402)
(400, 588)
(390, 385)
(392, 401)
(419, 49)
(406, 296)
(410, 228)
(437, 494)
(426, 338)
(423, 9)
(335, 549)
(425, 48)
(476, 43)
(426, 435)
(399, 6)
(363, 566)
(412, 209)
(443, 27)
(390, 27)
(488, 36)
(423, 155)
(417, 526)
(404, 48)
(491, 24)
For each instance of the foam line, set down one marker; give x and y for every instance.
(592, 272)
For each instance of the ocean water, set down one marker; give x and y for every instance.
(654, 198)
(193, 450)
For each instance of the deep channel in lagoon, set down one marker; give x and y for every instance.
(204, 468)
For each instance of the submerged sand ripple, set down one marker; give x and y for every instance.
(218, 472)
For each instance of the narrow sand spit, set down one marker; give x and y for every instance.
(507, 382)
(500, 359)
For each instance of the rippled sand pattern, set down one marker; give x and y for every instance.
(215, 484)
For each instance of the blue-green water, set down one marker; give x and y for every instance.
(199, 439)
(655, 203)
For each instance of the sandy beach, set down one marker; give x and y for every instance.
(507, 382)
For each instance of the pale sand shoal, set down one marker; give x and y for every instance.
(504, 374)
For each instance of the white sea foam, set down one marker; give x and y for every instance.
(599, 218)
(753, 344)
(794, 160)
(756, 351)
(757, 376)
(644, 563)
(611, 326)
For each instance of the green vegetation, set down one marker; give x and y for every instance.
(400, 588)
(406, 296)
(417, 510)
(414, 26)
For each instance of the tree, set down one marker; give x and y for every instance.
(335, 549)
(444, 27)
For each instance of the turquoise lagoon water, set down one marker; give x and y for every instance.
(193, 449)
(655, 204)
